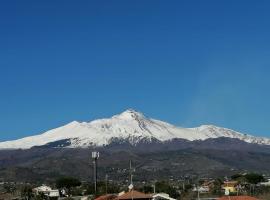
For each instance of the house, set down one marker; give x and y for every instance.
(237, 198)
(230, 186)
(201, 189)
(54, 194)
(133, 194)
(266, 183)
(209, 184)
(162, 196)
(47, 191)
(205, 187)
(42, 189)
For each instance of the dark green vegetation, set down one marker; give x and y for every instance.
(152, 162)
(252, 178)
(67, 183)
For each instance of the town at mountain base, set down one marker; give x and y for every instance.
(163, 155)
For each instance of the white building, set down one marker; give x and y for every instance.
(162, 196)
(267, 183)
(54, 193)
(46, 190)
(201, 189)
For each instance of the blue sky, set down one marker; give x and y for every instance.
(185, 62)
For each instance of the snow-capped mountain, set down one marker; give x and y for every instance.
(129, 125)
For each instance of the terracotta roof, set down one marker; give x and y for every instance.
(134, 195)
(230, 183)
(237, 198)
(106, 197)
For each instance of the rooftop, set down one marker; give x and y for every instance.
(237, 198)
(106, 197)
(133, 194)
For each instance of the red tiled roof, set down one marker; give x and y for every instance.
(134, 195)
(237, 198)
(106, 197)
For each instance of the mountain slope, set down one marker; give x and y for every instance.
(201, 159)
(129, 125)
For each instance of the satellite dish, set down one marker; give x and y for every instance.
(227, 192)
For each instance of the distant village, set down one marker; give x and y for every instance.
(241, 186)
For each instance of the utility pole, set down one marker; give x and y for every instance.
(106, 183)
(130, 172)
(154, 187)
(95, 156)
(198, 193)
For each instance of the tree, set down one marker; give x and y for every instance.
(26, 192)
(101, 188)
(9, 188)
(236, 176)
(163, 186)
(216, 190)
(254, 178)
(67, 183)
(40, 196)
(147, 189)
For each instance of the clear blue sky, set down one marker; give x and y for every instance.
(185, 62)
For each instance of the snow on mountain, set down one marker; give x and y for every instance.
(129, 125)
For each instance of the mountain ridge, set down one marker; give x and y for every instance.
(129, 125)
